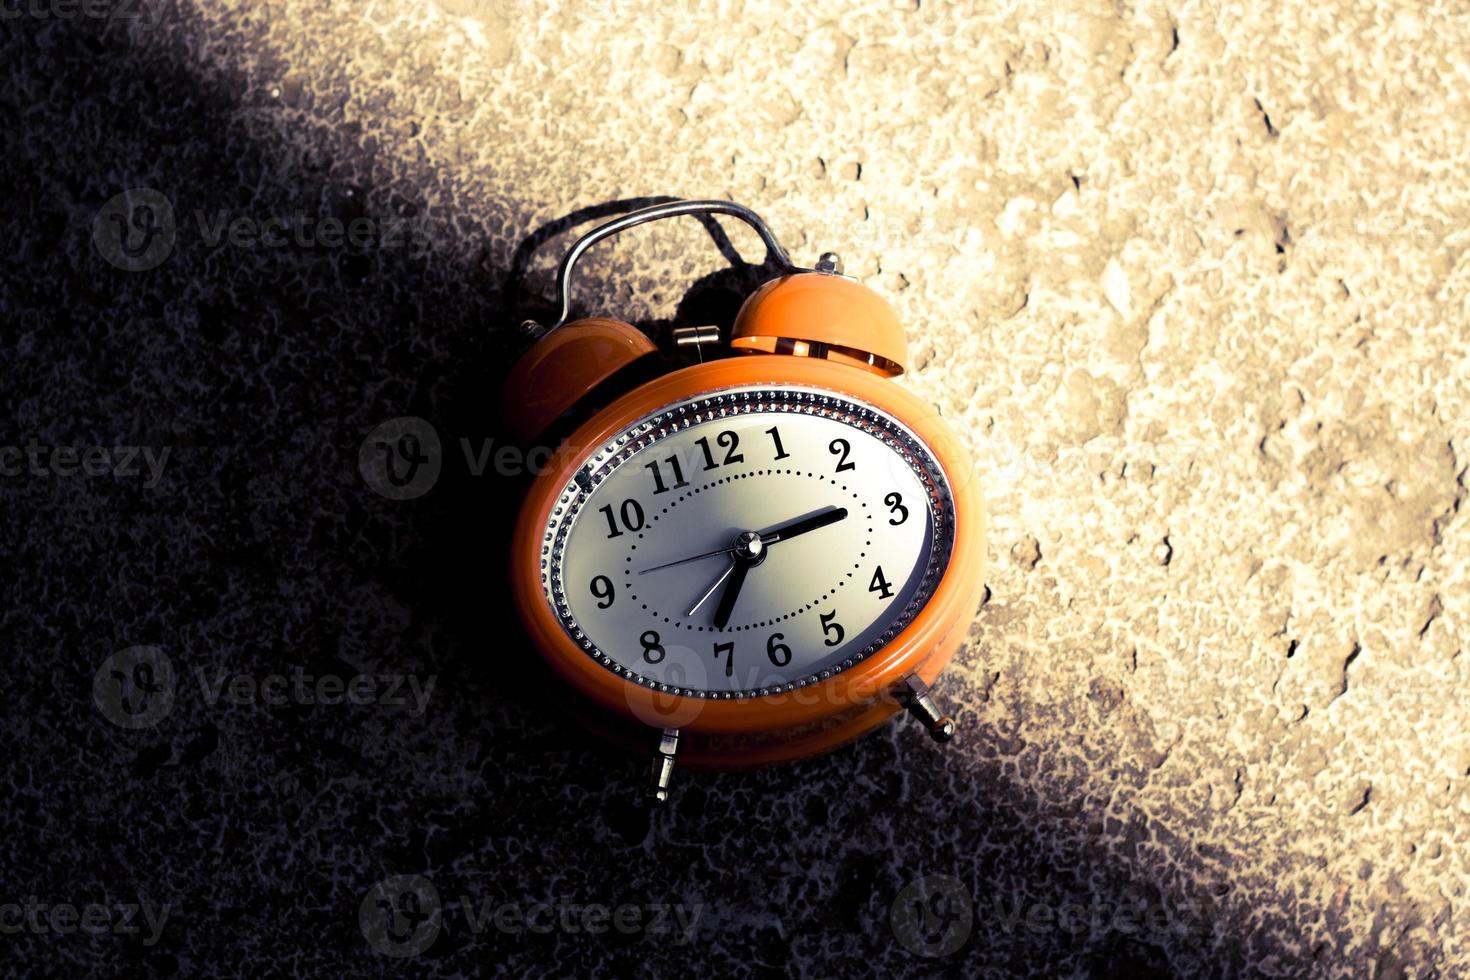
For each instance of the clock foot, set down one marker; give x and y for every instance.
(663, 765)
(914, 695)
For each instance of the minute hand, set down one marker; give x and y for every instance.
(802, 525)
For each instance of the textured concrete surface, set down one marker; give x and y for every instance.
(1193, 278)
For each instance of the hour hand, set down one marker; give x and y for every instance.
(731, 593)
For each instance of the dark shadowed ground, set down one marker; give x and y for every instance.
(1161, 771)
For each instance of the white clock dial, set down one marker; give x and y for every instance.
(748, 542)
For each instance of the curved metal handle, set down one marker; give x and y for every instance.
(655, 212)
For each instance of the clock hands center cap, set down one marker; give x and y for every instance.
(749, 547)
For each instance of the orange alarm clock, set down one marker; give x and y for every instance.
(750, 559)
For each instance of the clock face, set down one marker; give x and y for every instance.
(748, 542)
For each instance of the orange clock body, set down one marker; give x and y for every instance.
(747, 731)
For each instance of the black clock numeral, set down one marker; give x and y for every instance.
(631, 513)
(840, 448)
(604, 591)
(879, 584)
(895, 506)
(658, 477)
(728, 649)
(779, 652)
(709, 457)
(830, 626)
(728, 441)
(775, 433)
(651, 646)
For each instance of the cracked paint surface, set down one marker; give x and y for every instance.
(1192, 279)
